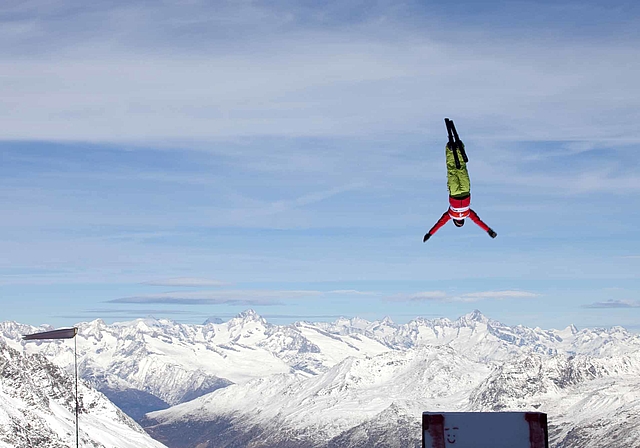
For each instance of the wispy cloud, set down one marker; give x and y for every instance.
(509, 294)
(425, 296)
(613, 174)
(344, 292)
(173, 72)
(441, 296)
(614, 304)
(179, 299)
(186, 282)
(261, 209)
(236, 297)
(140, 312)
(318, 196)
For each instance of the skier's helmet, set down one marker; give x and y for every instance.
(458, 222)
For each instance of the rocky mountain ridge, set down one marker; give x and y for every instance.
(37, 408)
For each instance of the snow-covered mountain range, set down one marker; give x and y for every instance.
(350, 383)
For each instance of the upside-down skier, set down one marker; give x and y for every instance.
(459, 186)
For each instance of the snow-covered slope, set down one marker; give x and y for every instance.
(324, 406)
(591, 401)
(377, 401)
(37, 409)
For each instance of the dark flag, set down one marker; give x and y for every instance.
(65, 333)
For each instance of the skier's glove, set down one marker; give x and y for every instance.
(491, 233)
(426, 237)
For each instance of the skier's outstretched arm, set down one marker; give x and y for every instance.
(442, 221)
(475, 218)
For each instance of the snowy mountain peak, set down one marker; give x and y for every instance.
(342, 322)
(94, 327)
(142, 325)
(388, 321)
(474, 316)
(213, 320)
(348, 325)
(247, 324)
(250, 316)
(14, 330)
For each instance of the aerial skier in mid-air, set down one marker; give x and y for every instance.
(459, 186)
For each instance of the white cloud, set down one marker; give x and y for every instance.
(270, 208)
(614, 304)
(425, 296)
(235, 297)
(441, 296)
(612, 175)
(500, 295)
(186, 281)
(351, 292)
(287, 76)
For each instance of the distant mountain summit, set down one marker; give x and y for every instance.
(213, 320)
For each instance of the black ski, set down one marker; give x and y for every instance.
(458, 142)
(452, 144)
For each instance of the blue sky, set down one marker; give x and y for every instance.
(188, 159)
